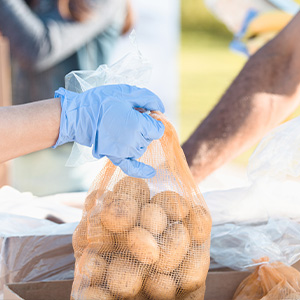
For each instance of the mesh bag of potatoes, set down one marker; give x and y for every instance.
(144, 239)
(270, 281)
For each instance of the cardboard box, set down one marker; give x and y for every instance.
(36, 258)
(219, 286)
(48, 290)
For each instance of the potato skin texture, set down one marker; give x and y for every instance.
(143, 245)
(175, 244)
(124, 277)
(79, 238)
(295, 296)
(160, 286)
(98, 236)
(153, 218)
(135, 188)
(193, 270)
(119, 214)
(94, 267)
(140, 296)
(195, 295)
(199, 224)
(175, 206)
(95, 293)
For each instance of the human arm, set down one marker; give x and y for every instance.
(265, 92)
(129, 19)
(39, 44)
(103, 118)
(28, 128)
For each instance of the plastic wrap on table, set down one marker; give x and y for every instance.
(34, 250)
(273, 188)
(66, 206)
(235, 246)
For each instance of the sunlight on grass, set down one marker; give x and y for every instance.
(207, 69)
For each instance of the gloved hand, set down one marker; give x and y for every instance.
(105, 118)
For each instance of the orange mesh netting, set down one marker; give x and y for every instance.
(270, 281)
(144, 239)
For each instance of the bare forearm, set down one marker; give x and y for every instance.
(28, 128)
(264, 93)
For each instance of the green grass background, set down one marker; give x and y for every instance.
(207, 66)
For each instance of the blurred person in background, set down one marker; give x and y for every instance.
(48, 39)
(265, 93)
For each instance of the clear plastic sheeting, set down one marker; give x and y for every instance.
(132, 69)
(34, 250)
(277, 157)
(236, 246)
(261, 219)
(274, 183)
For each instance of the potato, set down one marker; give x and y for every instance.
(90, 200)
(135, 188)
(98, 235)
(274, 288)
(95, 293)
(193, 270)
(153, 218)
(120, 213)
(79, 239)
(195, 295)
(175, 243)
(93, 266)
(293, 296)
(124, 277)
(160, 286)
(139, 296)
(143, 246)
(103, 241)
(291, 274)
(174, 205)
(121, 242)
(94, 197)
(199, 224)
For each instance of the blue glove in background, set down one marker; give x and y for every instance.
(104, 118)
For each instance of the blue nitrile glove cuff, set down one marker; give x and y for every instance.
(79, 117)
(65, 134)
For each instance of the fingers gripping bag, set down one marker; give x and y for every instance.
(144, 239)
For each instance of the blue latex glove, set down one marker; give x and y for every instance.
(104, 118)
